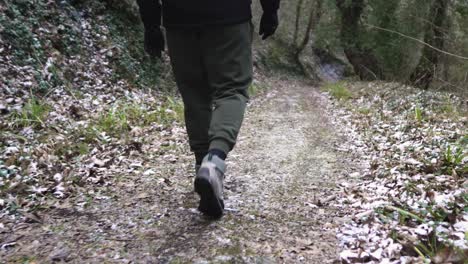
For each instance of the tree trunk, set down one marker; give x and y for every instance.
(363, 61)
(298, 21)
(424, 73)
(314, 18)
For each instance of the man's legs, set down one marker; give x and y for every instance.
(227, 56)
(213, 65)
(186, 58)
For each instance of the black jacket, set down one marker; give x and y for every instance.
(199, 13)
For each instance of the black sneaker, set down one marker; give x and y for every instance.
(209, 185)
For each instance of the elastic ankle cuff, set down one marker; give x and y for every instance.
(221, 145)
(221, 154)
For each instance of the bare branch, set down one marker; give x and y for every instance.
(417, 40)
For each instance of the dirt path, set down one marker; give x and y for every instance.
(284, 166)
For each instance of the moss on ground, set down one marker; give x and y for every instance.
(338, 90)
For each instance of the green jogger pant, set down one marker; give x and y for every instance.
(213, 70)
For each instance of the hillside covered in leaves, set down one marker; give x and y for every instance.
(93, 148)
(74, 81)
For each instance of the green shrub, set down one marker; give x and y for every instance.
(33, 113)
(113, 122)
(418, 114)
(454, 160)
(256, 88)
(338, 90)
(119, 119)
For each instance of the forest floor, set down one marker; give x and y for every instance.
(95, 167)
(350, 172)
(281, 183)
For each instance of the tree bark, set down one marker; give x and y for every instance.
(298, 21)
(363, 61)
(424, 73)
(314, 18)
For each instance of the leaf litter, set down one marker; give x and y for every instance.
(411, 202)
(69, 152)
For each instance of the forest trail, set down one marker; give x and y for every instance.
(280, 186)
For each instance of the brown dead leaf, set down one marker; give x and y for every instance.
(33, 217)
(143, 196)
(450, 255)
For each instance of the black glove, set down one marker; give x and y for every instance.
(154, 42)
(268, 24)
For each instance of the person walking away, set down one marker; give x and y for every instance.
(210, 47)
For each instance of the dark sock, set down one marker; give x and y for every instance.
(199, 157)
(218, 153)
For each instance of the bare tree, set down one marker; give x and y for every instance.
(298, 21)
(362, 59)
(424, 73)
(313, 20)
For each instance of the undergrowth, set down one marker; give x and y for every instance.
(120, 118)
(453, 160)
(338, 90)
(256, 88)
(36, 31)
(33, 113)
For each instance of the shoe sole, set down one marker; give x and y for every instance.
(210, 205)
